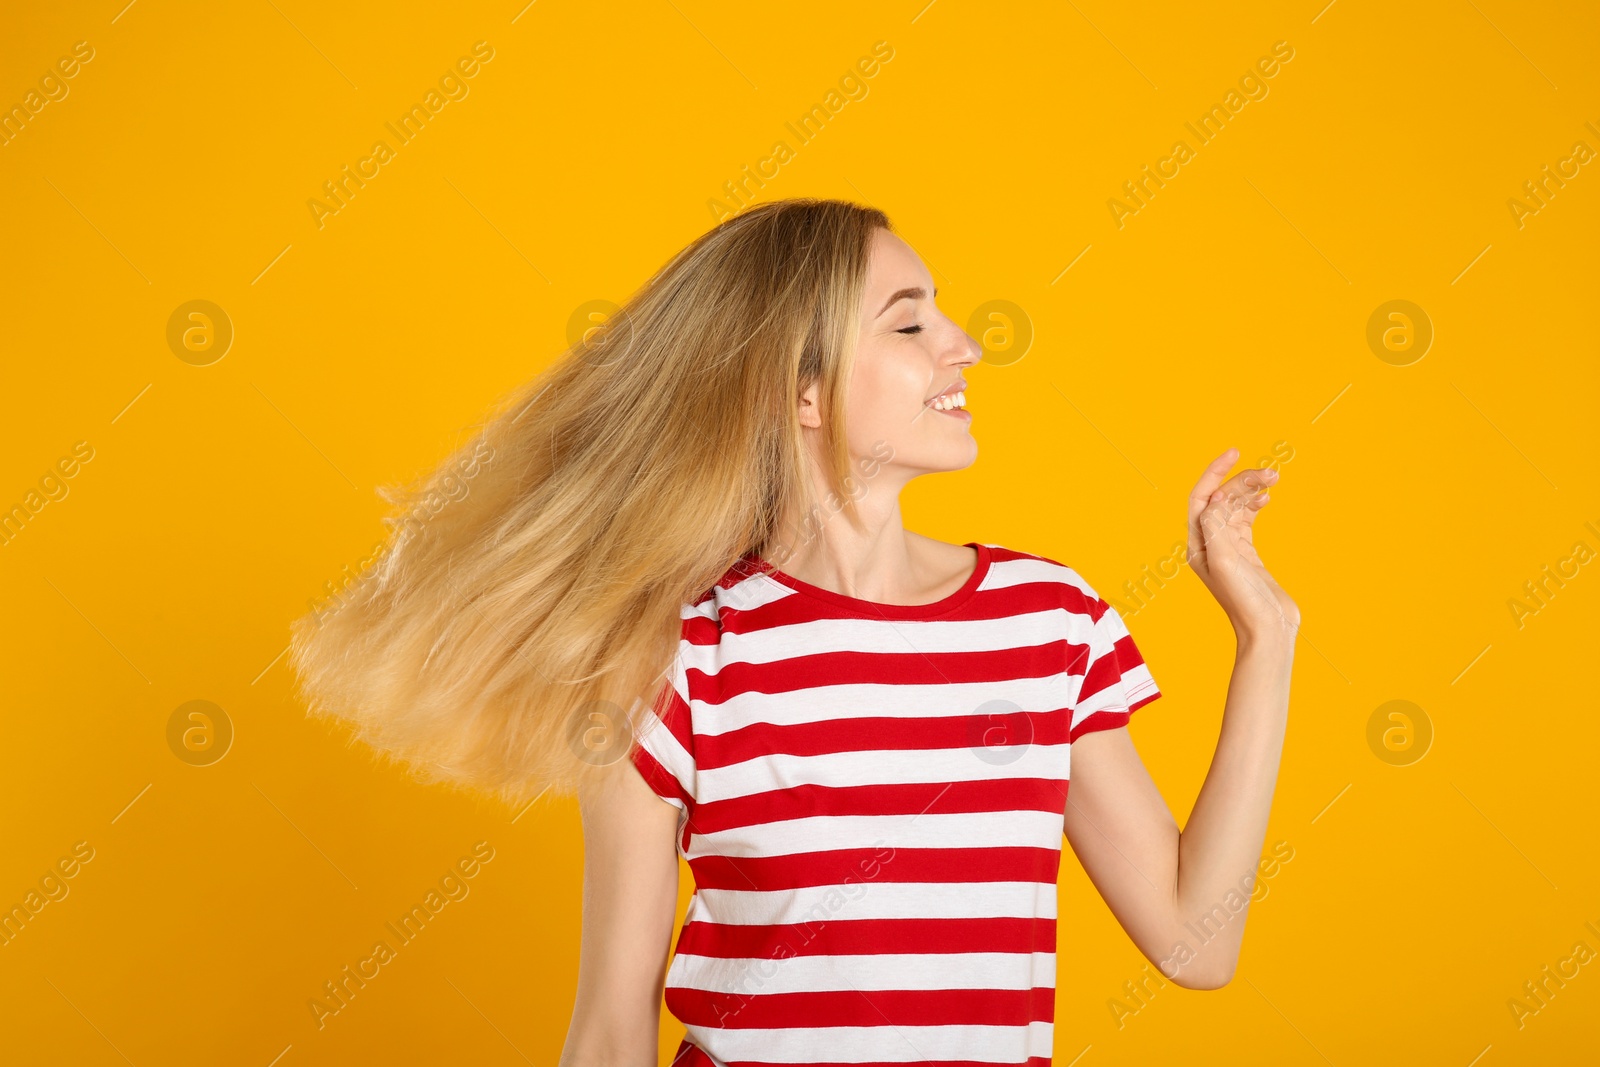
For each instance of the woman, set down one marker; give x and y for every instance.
(681, 589)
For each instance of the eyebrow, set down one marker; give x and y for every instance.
(916, 293)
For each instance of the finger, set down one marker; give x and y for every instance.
(1242, 515)
(1235, 494)
(1222, 506)
(1219, 543)
(1210, 479)
(1245, 500)
(1223, 510)
(1244, 507)
(1218, 513)
(1199, 499)
(1247, 483)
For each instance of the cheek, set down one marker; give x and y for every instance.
(866, 414)
(872, 414)
(892, 395)
(887, 387)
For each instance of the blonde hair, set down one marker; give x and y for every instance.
(511, 639)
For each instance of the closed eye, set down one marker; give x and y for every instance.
(911, 329)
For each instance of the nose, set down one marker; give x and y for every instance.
(971, 350)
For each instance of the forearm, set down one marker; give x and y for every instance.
(630, 894)
(613, 1023)
(1219, 849)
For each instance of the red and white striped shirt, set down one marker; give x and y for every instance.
(872, 802)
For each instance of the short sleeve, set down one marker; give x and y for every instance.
(1114, 679)
(664, 755)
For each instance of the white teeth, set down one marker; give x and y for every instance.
(952, 400)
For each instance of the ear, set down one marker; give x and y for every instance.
(810, 413)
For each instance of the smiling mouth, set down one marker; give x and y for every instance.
(951, 398)
(951, 406)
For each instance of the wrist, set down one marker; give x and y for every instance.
(1274, 638)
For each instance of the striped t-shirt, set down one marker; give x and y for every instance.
(871, 802)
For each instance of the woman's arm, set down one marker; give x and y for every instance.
(630, 902)
(1170, 890)
(1183, 896)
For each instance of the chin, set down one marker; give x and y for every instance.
(965, 458)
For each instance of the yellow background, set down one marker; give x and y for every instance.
(1231, 310)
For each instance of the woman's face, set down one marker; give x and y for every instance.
(907, 353)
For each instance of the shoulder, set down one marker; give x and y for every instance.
(743, 587)
(1014, 566)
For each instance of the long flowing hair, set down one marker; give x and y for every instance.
(525, 609)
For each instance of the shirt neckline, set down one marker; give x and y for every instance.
(874, 609)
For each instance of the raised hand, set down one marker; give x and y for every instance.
(1222, 549)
